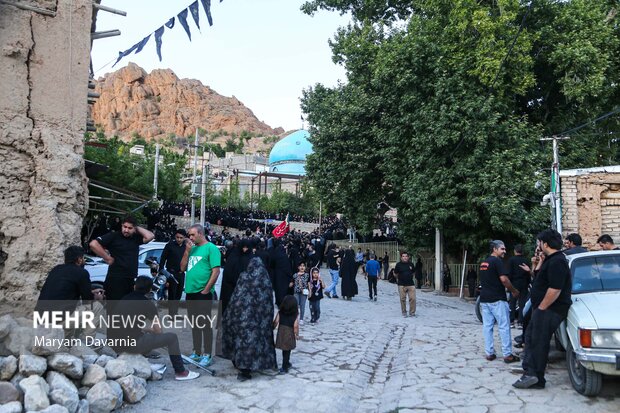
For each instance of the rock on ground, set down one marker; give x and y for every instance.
(83, 406)
(102, 398)
(8, 367)
(12, 407)
(103, 359)
(8, 393)
(115, 369)
(119, 392)
(139, 363)
(93, 375)
(67, 364)
(55, 408)
(32, 365)
(134, 388)
(63, 391)
(35, 393)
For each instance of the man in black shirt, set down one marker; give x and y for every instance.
(572, 245)
(406, 288)
(142, 325)
(520, 279)
(66, 284)
(122, 258)
(606, 242)
(494, 304)
(551, 299)
(171, 260)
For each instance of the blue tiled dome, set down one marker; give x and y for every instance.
(288, 156)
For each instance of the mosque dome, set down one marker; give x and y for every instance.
(288, 156)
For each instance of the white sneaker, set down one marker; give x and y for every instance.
(191, 375)
(301, 322)
(157, 366)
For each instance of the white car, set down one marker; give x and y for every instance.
(98, 269)
(591, 333)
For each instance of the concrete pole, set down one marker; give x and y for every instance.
(193, 214)
(438, 259)
(203, 194)
(463, 274)
(557, 197)
(156, 171)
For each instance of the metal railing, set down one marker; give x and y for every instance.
(378, 247)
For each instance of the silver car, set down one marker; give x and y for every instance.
(591, 333)
(98, 269)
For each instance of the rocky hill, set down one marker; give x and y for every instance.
(159, 103)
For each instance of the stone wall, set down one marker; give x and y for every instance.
(44, 62)
(591, 205)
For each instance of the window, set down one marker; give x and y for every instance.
(149, 253)
(600, 273)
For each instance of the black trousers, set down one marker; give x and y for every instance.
(372, 286)
(514, 314)
(170, 341)
(315, 310)
(199, 305)
(286, 359)
(175, 291)
(538, 340)
(117, 287)
(386, 268)
(471, 285)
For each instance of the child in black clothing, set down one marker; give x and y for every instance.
(288, 330)
(315, 287)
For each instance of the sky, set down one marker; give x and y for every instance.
(263, 52)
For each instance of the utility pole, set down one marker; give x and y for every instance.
(556, 195)
(193, 214)
(203, 194)
(156, 172)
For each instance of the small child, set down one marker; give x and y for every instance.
(300, 289)
(315, 288)
(288, 330)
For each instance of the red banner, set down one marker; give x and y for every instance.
(281, 229)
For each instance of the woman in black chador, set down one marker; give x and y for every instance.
(237, 261)
(247, 338)
(348, 269)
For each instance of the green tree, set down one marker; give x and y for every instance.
(444, 105)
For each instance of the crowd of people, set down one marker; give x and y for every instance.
(262, 270)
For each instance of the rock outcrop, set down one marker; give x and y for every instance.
(159, 103)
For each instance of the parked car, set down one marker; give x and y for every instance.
(98, 269)
(591, 333)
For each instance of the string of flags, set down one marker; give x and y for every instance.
(193, 9)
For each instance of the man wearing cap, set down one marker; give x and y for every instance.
(171, 260)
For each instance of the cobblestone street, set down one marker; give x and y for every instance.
(365, 357)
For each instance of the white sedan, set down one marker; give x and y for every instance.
(591, 333)
(98, 269)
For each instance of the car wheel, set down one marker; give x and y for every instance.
(558, 343)
(586, 382)
(478, 310)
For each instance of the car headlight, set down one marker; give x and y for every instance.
(606, 338)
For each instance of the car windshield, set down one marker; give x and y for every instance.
(156, 253)
(601, 273)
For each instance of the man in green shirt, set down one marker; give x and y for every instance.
(201, 263)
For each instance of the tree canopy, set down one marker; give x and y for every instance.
(444, 106)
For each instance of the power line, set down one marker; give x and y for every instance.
(514, 41)
(576, 128)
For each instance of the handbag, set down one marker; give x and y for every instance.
(305, 291)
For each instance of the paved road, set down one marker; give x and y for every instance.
(365, 357)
